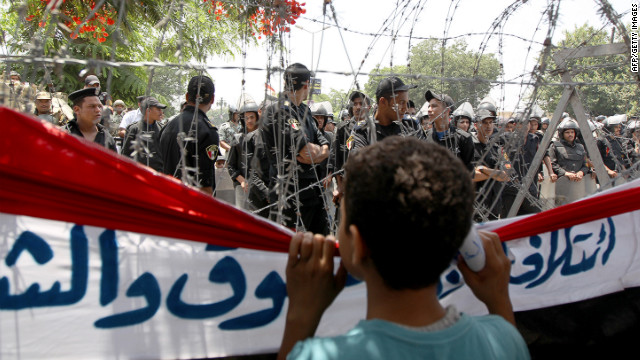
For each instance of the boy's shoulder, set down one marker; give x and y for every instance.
(484, 337)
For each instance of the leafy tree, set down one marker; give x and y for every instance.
(131, 31)
(598, 98)
(337, 98)
(432, 67)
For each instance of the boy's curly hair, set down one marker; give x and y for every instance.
(412, 202)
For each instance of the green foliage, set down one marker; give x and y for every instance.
(337, 98)
(433, 63)
(597, 99)
(150, 30)
(218, 115)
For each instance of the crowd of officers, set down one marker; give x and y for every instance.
(286, 159)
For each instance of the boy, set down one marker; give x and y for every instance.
(406, 209)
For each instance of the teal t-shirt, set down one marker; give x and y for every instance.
(484, 337)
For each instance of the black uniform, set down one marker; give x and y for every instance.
(102, 137)
(613, 151)
(148, 141)
(247, 157)
(633, 149)
(367, 132)
(286, 129)
(488, 192)
(339, 152)
(200, 156)
(520, 158)
(324, 165)
(458, 141)
(568, 157)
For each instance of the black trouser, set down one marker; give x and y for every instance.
(312, 210)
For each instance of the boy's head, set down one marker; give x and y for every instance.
(411, 202)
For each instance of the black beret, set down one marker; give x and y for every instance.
(81, 94)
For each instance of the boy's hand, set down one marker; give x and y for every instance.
(311, 286)
(491, 284)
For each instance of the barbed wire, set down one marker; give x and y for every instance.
(21, 59)
(391, 29)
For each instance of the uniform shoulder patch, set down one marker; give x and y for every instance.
(350, 142)
(294, 123)
(211, 124)
(212, 151)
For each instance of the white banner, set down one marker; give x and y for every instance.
(80, 292)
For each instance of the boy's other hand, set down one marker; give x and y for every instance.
(491, 284)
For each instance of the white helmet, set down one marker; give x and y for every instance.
(465, 109)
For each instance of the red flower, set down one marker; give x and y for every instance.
(101, 40)
(110, 21)
(73, 36)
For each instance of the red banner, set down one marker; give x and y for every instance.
(47, 173)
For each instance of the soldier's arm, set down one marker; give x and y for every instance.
(313, 154)
(585, 166)
(258, 169)
(340, 148)
(233, 166)
(547, 162)
(129, 137)
(554, 161)
(467, 153)
(207, 154)
(358, 139)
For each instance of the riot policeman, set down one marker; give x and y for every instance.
(612, 147)
(568, 159)
(295, 147)
(457, 141)
(142, 138)
(488, 173)
(359, 106)
(463, 116)
(392, 96)
(247, 162)
(189, 143)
